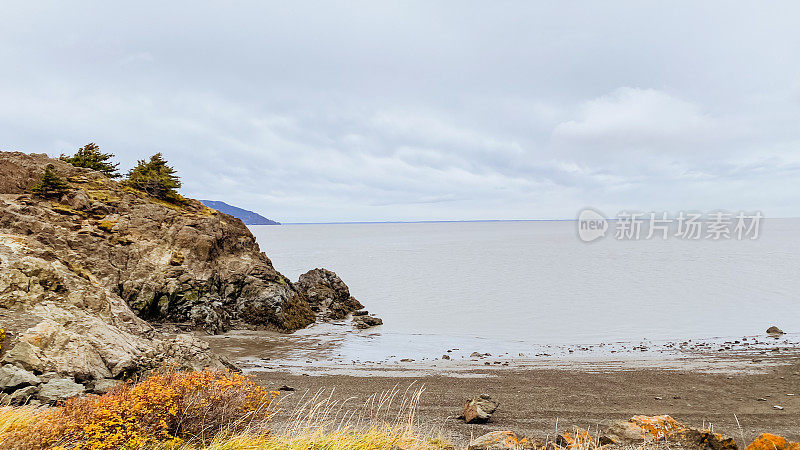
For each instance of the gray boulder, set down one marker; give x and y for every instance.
(103, 386)
(59, 389)
(13, 377)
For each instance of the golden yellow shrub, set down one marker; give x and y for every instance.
(166, 409)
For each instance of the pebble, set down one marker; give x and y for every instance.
(778, 407)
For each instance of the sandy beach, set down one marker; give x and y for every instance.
(698, 387)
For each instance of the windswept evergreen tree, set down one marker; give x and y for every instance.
(155, 177)
(51, 185)
(90, 156)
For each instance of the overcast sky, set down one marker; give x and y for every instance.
(376, 110)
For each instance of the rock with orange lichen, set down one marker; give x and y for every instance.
(768, 441)
(499, 440)
(640, 429)
(579, 439)
(643, 428)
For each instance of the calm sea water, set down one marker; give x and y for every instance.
(511, 285)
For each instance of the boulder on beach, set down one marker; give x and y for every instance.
(479, 409)
(500, 440)
(768, 441)
(642, 429)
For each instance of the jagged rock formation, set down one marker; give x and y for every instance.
(81, 276)
(327, 294)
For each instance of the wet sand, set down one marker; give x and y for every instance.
(702, 386)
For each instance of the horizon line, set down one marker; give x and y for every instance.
(366, 222)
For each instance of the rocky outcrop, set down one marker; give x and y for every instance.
(59, 322)
(170, 263)
(327, 294)
(84, 277)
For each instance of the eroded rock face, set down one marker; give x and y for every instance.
(170, 263)
(64, 325)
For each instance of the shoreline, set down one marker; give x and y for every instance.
(700, 387)
(313, 353)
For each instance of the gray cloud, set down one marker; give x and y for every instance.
(416, 110)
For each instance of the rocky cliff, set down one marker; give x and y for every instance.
(83, 276)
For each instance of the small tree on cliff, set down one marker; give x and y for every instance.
(155, 177)
(51, 185)
(90, 156)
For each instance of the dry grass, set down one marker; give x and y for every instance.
(211, 410)
(386, 420)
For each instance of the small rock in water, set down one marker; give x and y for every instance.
(476, 355)
(362, 322)
(773, 330)
(445, 356)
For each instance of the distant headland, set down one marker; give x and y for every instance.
(248, 217)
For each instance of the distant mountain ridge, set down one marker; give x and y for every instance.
(248, 217)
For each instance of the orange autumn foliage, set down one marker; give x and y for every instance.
(169, 408)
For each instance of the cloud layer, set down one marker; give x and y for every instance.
(306, 111)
